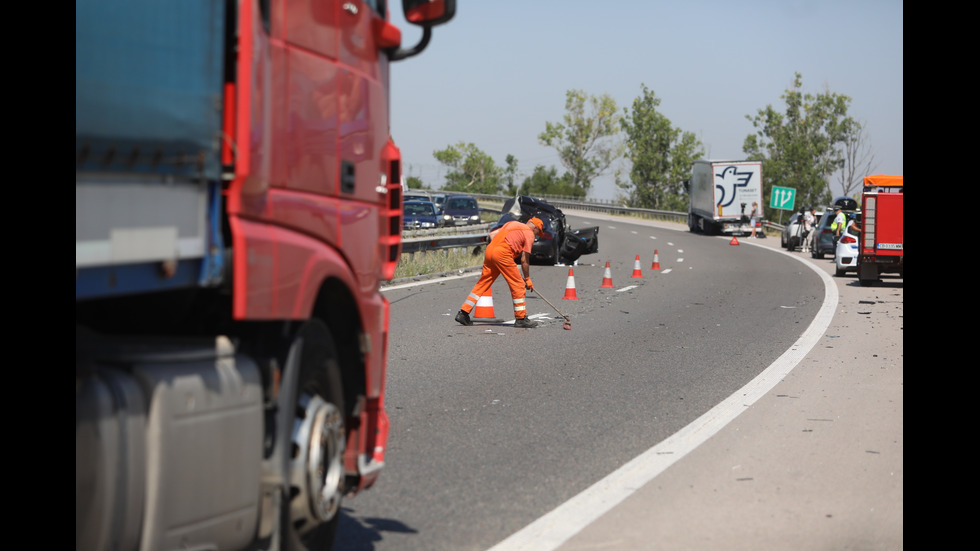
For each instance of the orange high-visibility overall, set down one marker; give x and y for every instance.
(501, 259)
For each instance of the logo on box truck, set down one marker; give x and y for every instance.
(730, 181)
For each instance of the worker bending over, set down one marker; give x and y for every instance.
(508, 245)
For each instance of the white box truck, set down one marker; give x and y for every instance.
(723, 194)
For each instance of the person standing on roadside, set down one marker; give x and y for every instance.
(754, 217)
(839, 223)
(809, 217)
(510, 245)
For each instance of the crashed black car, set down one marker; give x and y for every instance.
(558, 244)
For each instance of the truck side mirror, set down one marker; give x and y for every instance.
(427, 13)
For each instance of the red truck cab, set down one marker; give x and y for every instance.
(237, 205)
(882, 247)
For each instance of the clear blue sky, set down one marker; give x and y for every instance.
(500, 69)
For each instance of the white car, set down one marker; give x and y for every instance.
(846, 253)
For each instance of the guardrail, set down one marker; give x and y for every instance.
(436, 242)
(412, 242)
(613, 209)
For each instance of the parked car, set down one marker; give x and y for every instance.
(823, 236)
(793, 232)
(415, 195)
(557, 243)
(461, 210)
(845, 256)
(419, 215)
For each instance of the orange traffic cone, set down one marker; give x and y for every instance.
(607, 277)
(656, 261)
(570, 286)
(637, 272)
(484, 307)
(734, 240)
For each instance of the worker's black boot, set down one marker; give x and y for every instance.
(526, 323)
(463, 318)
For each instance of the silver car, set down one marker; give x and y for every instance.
(793, 232)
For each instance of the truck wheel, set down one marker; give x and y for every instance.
(311, 506)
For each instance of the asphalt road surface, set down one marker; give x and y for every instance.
(532, 439)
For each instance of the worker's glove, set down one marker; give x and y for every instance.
(528, 284)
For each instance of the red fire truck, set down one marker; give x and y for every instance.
(237, 204)
(882, 246)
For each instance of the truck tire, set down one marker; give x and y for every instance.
(311, 506)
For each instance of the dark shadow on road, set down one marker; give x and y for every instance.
(356, 534)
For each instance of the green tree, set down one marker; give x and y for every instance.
(660, 156)
(470, 169)
(546, 181)
(859, 161)
(586, 140)
(803, 146)
(414, 182)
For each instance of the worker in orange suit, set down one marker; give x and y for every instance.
(508, 246)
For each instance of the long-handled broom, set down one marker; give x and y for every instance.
(568, 321)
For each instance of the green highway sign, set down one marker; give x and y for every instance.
(782, 198)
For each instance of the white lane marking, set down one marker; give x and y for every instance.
(562, 523)
(627, 288)
(429, 281)
(667, 271)
(530, 317)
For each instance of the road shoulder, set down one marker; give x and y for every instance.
(816, 463)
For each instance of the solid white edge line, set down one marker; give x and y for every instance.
(429, 281)
(562, 523)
